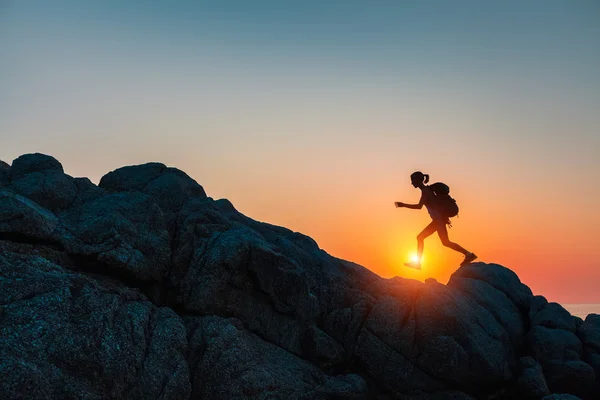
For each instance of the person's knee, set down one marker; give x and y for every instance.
(447, 242)
(421, 237)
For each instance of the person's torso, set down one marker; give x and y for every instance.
(430, 203)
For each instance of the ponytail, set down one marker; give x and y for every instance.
(419, 177)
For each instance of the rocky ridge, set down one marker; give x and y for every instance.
(143, 287)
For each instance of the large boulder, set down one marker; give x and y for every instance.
(32, 163)
(119, 233)
(170, 188)
(426, 335)
(502, 279)
(68, 336)
(531, 381)
(55, 191)
(24, 220)
(549, 345)
(552, 315)
(559, 352)
(41, 178)
(589, 333)
(503, 309)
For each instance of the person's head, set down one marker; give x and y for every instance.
(418, 179)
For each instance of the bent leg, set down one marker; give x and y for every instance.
(443, 234)
(428, 231)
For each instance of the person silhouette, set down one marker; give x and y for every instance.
(438, 223)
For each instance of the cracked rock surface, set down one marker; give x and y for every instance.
(143, 287)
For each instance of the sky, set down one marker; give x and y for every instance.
(313, 114)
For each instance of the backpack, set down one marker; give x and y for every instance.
(445, 203)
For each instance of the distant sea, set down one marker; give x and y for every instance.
(582, 310)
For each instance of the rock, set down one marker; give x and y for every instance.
(50, 189)
(506, 313)
(549, 345)
(40, 178)
(344, 325)
(433, 335)
(322, 349)
(173, 188)
(536, 303)
(561, 396)
(121, 233)
(222, 266)
(500, 278)
(228, 362)
(589, 333)
(532, 383)
(131, 178)
(4, 174)
(68, 336)
(170, 188)
(553, 315)
(86, 191)
(392, 371)
(559, 352)
(24, 220)
(573, 376)
(32, 163)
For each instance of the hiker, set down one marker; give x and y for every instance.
(440, 214)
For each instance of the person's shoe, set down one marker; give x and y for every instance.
(413, 264)
(469, 258)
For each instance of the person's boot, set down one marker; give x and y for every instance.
(413, 264)
(469, 258)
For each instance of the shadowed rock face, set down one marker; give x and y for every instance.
(144, 287)
(67, 335)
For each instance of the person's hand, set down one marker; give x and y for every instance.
(399, 204)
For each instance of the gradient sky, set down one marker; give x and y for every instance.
(313, 114)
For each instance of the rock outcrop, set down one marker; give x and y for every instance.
(143, 287)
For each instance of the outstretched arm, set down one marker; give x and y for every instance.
(417, 206)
